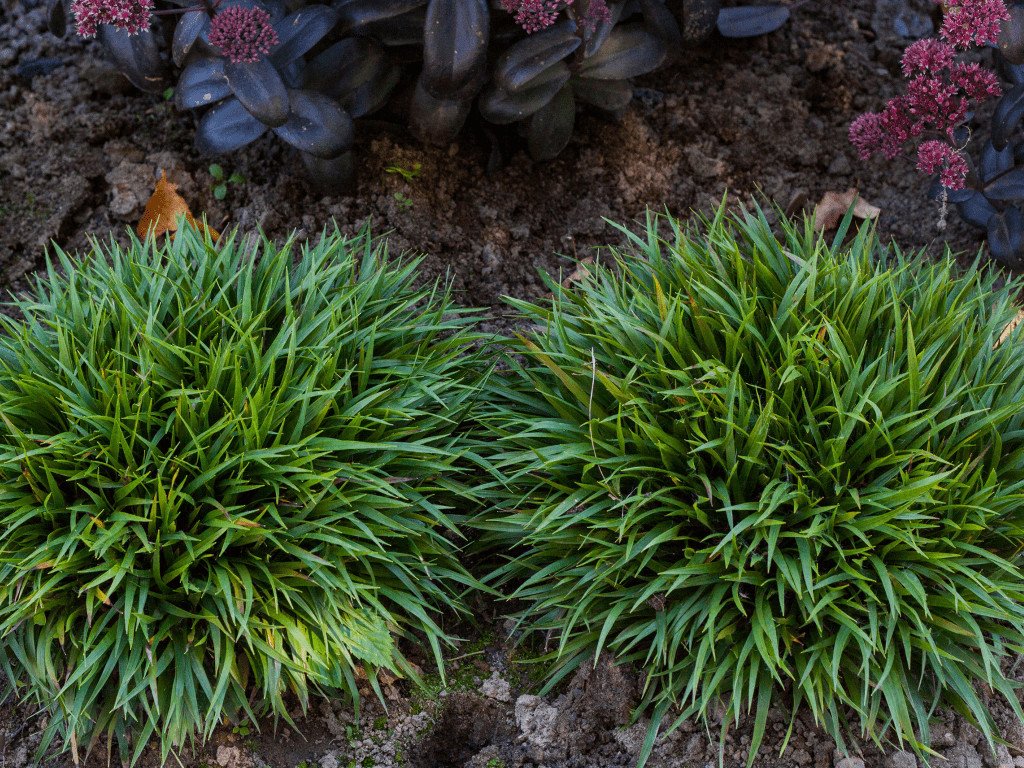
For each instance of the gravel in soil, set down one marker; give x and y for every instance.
(740, 120)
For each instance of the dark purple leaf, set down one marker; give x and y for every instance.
(976, 210)
(751, 20)
(437, 121)
(259, 88)
(57, 15)
(335, 175)
(994, 161)
(202, 83)
(1011, 35)
(528, 58)
(357, 72)
(362, 16)
(628, 52)
(1007, 186)
(191, 26)
(551, 126)
(612, 95)
(455, 48)
(1006, 237)
(300, 31)
(136, 56)
(317, 125)
(1007, 116)
(501, 107)
(226, 127)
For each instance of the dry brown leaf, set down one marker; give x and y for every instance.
(579, 273)
(833, 206)
(1009, 328)
(164, 208)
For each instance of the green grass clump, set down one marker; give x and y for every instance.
(221, 481)
(770, 472)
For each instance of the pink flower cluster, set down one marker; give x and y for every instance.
(132, 15)
(242, 34)
(939, 94)
(535, 15)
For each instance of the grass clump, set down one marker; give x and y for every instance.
(770, 471)
(223, 479)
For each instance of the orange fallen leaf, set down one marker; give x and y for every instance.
(164, 208)
(833, 206)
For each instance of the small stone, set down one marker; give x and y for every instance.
(1018, 761)
(496, 688)
(536, 719)
(840, 166)
(228, 756)
(330, 760)
(850, 762)
(901, 759)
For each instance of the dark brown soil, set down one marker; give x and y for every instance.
(764, 118)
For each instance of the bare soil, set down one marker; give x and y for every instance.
(755, 120)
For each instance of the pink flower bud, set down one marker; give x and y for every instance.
(242, 34)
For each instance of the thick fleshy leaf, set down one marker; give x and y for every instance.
(593, 40)
(191, 26)
(1006, 186)
(317, 125)
(437, 121)
(201, 84)
(1006, 237)
(455, 48)
(531, 56)
(406, 29)
(136, 56)
(976, 210)
(952, 195)
(357, 16)
(1007, 116)
(501, 107)
(300, 31)
(335, 175)
(551, 127)
(276, 8)
(294, 73)
(357, 72)
(226, 127)
(612, 95)
(751, 20)
(1011, 35)
(994, 161)
(57, 16)
(629, 51)
(699, 19)
(1012, 72)
(259, 88)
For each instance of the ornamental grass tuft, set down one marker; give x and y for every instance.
(770, 471)
(225, 481)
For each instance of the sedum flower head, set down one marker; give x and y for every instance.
(535, 15)
(131, 15)
(242, 34)
(972, 22)
(939, 93)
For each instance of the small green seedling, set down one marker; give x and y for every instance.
(406, 173)
(241, 730)
(220, 188)
(168, 94)
(403, 201)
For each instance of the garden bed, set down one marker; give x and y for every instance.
(79, 151)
